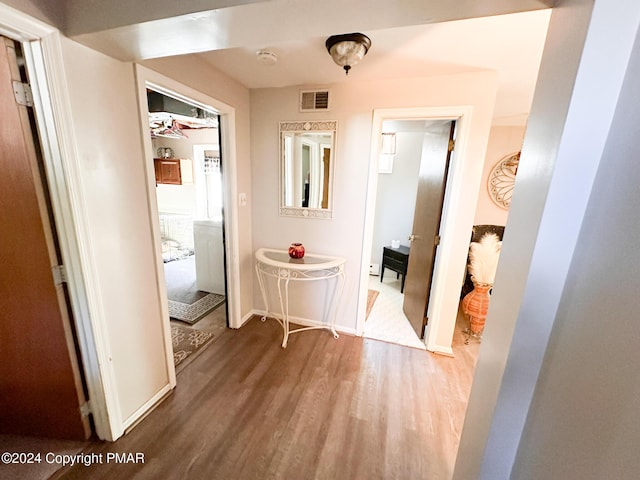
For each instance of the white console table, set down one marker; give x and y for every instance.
(278, 264)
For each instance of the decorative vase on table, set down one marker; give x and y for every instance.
(296, 250)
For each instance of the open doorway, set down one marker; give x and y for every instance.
(456, 222)
(414, 162)
(189, 185)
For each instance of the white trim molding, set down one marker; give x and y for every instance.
(43, 52)
(148, 78)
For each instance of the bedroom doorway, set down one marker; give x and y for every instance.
(445, 287)
(188, 167)
(414, 168)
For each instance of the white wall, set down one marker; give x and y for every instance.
(588, 391)
(122, 259)
(204, 78)
(352, 106)
(503, 141)
(180, 199)
(571, 118)
(396, 197)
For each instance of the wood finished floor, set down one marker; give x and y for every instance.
(350, 408)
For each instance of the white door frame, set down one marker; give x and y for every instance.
(447, 281)
(149, 78)
(43, 54)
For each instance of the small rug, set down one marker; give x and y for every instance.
(192, 312)
(187, 341)
(371, 299)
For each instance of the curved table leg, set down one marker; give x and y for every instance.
(336, 299)
(284, 307)
(263, 291)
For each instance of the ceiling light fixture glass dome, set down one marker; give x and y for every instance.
(348, 49)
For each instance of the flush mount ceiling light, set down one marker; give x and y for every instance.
(348, 49)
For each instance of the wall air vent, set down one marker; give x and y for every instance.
(314, 100)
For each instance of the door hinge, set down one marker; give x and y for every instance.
(59, 274)
(452, 145)
(23, 94)
(436, 241)
(85, 408)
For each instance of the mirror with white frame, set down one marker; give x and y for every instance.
(307, 153)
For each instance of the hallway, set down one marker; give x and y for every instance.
(322, 408)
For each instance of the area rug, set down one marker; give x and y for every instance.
(371, 299)
(192, 312)
(187, 342)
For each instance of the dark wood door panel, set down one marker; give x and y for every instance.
(426, 222)
(40, 392)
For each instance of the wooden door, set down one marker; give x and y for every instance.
(434, 165)
(326, 166)
(40, 385)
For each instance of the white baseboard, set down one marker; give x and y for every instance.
(146, 409)
(440, 350)
(305, 322)
(246, 318)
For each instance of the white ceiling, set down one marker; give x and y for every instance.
(511, 45)
(413, 38)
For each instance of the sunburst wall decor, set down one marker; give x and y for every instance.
(502, 179)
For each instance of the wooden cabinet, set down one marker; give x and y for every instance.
(396, 259)
(168, 171)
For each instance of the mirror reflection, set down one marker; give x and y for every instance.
(307, 156)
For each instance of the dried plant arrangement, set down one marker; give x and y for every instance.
(483, 259)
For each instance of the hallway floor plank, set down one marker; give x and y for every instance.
(322, 408)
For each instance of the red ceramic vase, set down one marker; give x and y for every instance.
(296, 250)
